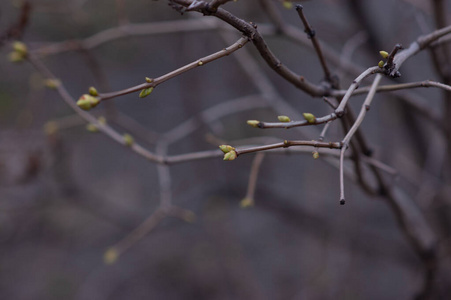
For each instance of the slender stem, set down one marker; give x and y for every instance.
(286, 144)
(312, 36)
(200, 62)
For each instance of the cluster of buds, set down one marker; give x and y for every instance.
(229, 152)
(384, 55)
(86, 102)
(19, 52)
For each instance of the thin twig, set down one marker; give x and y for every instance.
(156, 81)
(355, 126)
(312, 36)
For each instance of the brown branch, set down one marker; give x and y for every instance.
(156, 81)
(286, 144)
(312, 36)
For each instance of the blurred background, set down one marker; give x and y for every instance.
(68, 194)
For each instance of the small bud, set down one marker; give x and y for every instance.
(20, 48)
(86, 102)
(52, 83)
(226, 148)
(247, 202)
(200, 63)
(381, 64)
(50, 128)
(253, 123)
(128, 139)
(189, 217)
(231, 155)
(145, 92)
(309, 117)
(93, 91)
(149, 80)
(101, 120)
(384, 54)
(315, 154)
(15, 57)
(287, 4)
(92, 128)
(284, 119)
(110, 256)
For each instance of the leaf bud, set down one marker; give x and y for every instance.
(93, 91)
(110, 256)
(52, 83)
(86, 102)
(311, 119)
(384, 54)
(381, 64)
(128, 140)
(146, 92)
(21, 48)
(315, 154)
(226, 148)
(231, 155)
(284, 119)
(253, 123)
(247, 202)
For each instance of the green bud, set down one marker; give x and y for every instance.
(92, 128)
(51, 127)
(93, 91)
(15, 57)
(128, 140)
(226, 148)
(145, 92)
(384, 54)
(149, 80)
(284, 119)
(52, 83)
(101, 120)
(200, 63)
(381, 64)
(110, 256)
(247, 202)
(315, 154)
(231, 155)
(253, 123)
(287, 4)
(86, 102)
(311, 119)
(21, 48)
(189, 217)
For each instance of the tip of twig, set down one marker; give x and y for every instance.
(342, 201)
(299, 7)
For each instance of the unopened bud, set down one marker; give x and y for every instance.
(92, 128)
(226, 148)
(52, 83)
(149, 80)
(381, 64)
(311, 119)
(21, 48)
(128, 139)
(284, 119)
(287, 4)
(50, 128)
(86, 102)
(231, 155)
(247, 202)
(145, 92)
(253, 123)
(15, 57)
(315, 155)
(93, 91)
(110, 256)
(384, 54)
